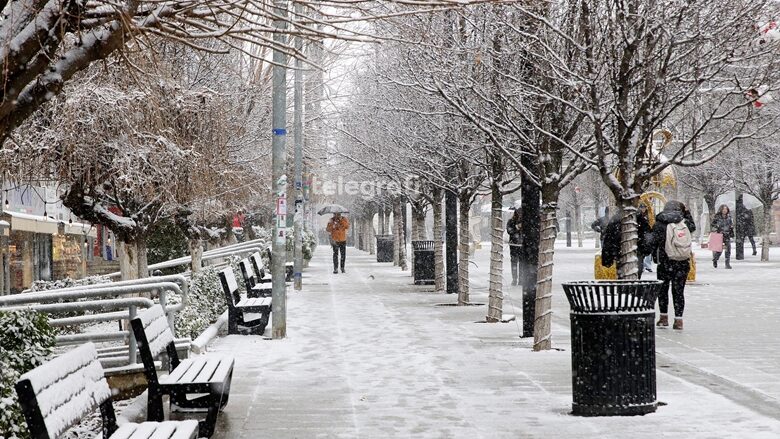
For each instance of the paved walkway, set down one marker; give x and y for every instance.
(369, 355)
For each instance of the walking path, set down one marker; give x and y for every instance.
(369, 355)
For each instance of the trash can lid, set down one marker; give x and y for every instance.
(612, 296)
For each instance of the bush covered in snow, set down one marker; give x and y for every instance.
(45, 285)
(26, 339)
(206, 303)
(308, 244)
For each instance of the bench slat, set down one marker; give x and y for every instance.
(230, 278)
(205, 374)
(158, 332)
(223, 371)
(158, 430)
(194, 370)
(259, 301)
(177, 373)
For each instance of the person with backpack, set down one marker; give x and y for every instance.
(670, 244)
(723, 224)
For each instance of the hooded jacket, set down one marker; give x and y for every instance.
(656, 241)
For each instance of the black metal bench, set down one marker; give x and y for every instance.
(254, 288)
(239, 307)
(260, 273)
(208, 376)
(57, 395)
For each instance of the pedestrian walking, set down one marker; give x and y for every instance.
(748, 227)
(514, 227)
(337, 227)
(723, 224)
(643, 229)
(670, 245)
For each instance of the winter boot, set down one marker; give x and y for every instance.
(678, 323)
(728, 265)
(663, 321)
(715, 263)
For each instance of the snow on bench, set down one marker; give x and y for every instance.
(58, 394)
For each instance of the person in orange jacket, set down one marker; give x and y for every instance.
(337, 227)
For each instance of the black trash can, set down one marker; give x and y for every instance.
(384, 248)
(424, 262)
(613, 346)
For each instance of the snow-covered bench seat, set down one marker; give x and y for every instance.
(209, 377)
(58, 394)
(239, 307)
(252, 280)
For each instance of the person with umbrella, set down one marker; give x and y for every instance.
(337, 227)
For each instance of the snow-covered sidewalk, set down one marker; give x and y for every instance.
(370, 355)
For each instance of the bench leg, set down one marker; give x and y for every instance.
(155, 405)
(232, 322)
(206, 427)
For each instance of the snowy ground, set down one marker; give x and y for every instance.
(370, 355)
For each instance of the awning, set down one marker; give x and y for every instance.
(24, 222)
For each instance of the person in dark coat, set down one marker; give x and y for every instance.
(723, 224)
(600, 225)
(514, 227)
(610, 241)
(672, 273)
(748, 227)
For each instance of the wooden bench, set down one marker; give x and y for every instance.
(254, 288)
(239, 307)
(57, 395)
(208, 376)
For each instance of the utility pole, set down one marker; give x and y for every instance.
(298, 140)
(279, 159)
(451, 239)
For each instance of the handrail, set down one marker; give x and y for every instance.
(48, 301)
(221, 252)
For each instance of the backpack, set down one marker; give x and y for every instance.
(678, 241)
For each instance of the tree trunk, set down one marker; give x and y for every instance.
(401, 235)
(463, 261)
(196, 253)
(543, 303)
(381, 221)
(597, 206)
(628, 264)
(578, 218)
(710, 200)
(418, 214)
(371, 237)
(143, 261)
(495, 284)
(128, 260)
(766, 231)
(396, 225)
(438, 244)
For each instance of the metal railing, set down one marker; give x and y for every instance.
(116, 301)
(256, 245)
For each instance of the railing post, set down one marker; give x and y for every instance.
(131, 341)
